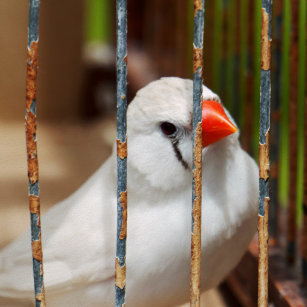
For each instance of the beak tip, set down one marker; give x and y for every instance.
(216, 124)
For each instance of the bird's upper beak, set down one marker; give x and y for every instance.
(216, 124)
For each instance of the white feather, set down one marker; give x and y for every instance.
(79, 233)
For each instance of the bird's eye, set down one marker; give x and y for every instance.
(168, 128)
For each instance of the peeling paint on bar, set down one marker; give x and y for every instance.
(197, 58)
(199, 6)
(33, 175)
(265, 41)
(263, 259)
(120, 275)
(121, 149)
(264, 167)
(123, 202)
(121, 51)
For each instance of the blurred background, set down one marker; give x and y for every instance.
(77, 92)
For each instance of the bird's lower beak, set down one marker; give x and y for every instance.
(216, 124)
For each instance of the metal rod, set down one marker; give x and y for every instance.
(120, 261)
(264, 167)
(291, 230)
(30, 124)
(199, 8)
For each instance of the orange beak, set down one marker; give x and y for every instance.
(216, 124)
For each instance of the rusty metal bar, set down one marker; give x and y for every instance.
(30, 124)
(121, 51)
(199, 8)
(291, 230)
(264, 167)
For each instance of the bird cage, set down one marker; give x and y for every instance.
(253, 54)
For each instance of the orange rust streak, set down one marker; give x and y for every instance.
(37, 250)
(265, 41)
(263, 256)
(34, 204)
(264, 170)
(121, 149)
(123, 203)
(30, 123)
(197, 6)
(120, 275)
(31, 74)
(197, 58)
(41, 297)
(30, 132)
(196, 235)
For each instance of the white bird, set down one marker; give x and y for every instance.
(79, 233)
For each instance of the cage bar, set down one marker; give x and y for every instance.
(264, 167)
(33, 176)
(199, 8)
(121, 62)
(291, 230)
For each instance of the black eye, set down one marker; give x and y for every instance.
(168, 128)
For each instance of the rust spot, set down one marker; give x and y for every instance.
(41, 297)
(33, 170)
(264, 162)
(120, 275)
(30, 133)
(31, 147)
(37, 250)
(197, 160)
(197, 6)
(121, 149)
(42, 270)
(126, 59)
(34, 204)
(196, 235)
(265, 41)
(263, 256)
(197, 58)
(123, 97)
(123, 203)
(31, 74)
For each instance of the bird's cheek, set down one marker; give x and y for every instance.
(186, 149)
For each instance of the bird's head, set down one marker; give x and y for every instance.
(160, 131)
